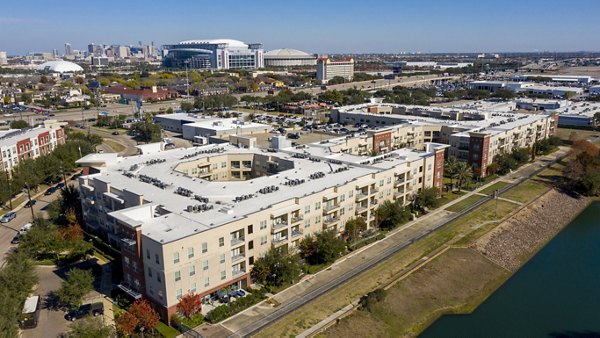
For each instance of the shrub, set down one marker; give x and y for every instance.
(370, 299)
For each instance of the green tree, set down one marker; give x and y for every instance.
(18, 124)
(186, 106)
(426, 198)
(354, 227)
(277, 268)
(391, 214)
(450, 168)
(90, 327)
(324, 247)
(17, 278)
(464, 174)
(43, 240)
(336, 80)
(75, 287)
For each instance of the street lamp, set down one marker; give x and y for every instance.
(9, 191)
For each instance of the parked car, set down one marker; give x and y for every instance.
(31, 203)
(50, 191)
(60, 186)
(115, 133)
(9, 216)
(294, 136)
(94, 309)
(16, 239)
(25, 228)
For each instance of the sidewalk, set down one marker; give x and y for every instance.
(244, 322)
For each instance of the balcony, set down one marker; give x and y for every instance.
(238, 257)
(279, 241)
(237, 241)
(398, 194)
(238, 272)
(327, 208)
(330, 220)
(129, 245)
(361, 208)
(374, 190)
(296, 233)
(297, 219)
(399, 181)
(361, 196)
(281, 225)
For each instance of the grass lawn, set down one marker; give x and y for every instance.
(527, 190)
(319, 309)
(449, 197)
(494, 187)
(116, 146)
(565, 134)
(467, 202)
(167, 331)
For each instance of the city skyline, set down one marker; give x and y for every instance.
(311, 26)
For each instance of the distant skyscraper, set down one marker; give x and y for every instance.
(68, 49)
(55, 53)
(3, 58)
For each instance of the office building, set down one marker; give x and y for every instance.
(196, 219)
(30, 143)
(327, 69)
(214, 54)
(68, 49)
(3, 59)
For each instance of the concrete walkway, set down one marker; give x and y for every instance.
(245, 322)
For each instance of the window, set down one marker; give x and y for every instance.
(160, 295)
(263, 225)
(250, 229)
(193, 288)
(317, 205)
(389, 180)
(204, 247)
(263, 240)
(223, 164)
(342, 211)
(250, 245)
(222, 258)
(342, 197)
(381, 183)
(206, 281)
(251, 260)
(190, 252)
(318, 219)
(350, 207)
(429, 167)
(307, 223)
(178, 293)
(149, 272)
(175, 257)
(158, 279)
(307, 209)
(177, 276)
(351, 193)
(156, 259)
(223, 275)
(192, 270)
(147, 254)
(204, 265)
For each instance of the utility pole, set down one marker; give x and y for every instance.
(187, 82)
(9, 191)
(29, 198)
(62, 171)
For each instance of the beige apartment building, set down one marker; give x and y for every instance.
(196, 219)
(474, 135)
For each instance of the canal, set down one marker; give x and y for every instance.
(555, 294)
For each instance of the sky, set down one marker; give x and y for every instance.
(314, 26)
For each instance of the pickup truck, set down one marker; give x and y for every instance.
(94, 309)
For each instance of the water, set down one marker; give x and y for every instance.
(556, 294)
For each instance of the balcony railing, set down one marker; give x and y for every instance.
(281, 225)
(296, 233)
(297, 219)
(374, 190)
(237, 257)
(330, 220)
(235, 273)
(330, 207)
(279, 241)
(361, 195)
(361, 208)
(237, 241)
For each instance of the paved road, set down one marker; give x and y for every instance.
(9, 230)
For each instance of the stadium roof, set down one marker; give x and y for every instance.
(60, 67)
(230, 42)
(286, 53)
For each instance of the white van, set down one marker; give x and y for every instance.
(25, 228)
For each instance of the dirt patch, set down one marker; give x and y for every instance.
(515, 240)
(454, 282)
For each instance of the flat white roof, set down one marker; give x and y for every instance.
(31, 304)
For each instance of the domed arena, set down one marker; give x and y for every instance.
(59, 67)
(287, 57)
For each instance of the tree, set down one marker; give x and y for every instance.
(169, 110)
(146, 316)
(464, 173)
(75, 287)
(426, 198)
(189, 305)
(126, 323)
(277, 268)
(354, 227)
(324, 247)
(17, 278)
(90, 327)
(391, 214)
(18, 124)
(43, 240)
(450, 168)
(187, 106)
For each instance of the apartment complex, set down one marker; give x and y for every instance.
(196, 219)
(474, 135)
(19, 145)
(327, 69)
